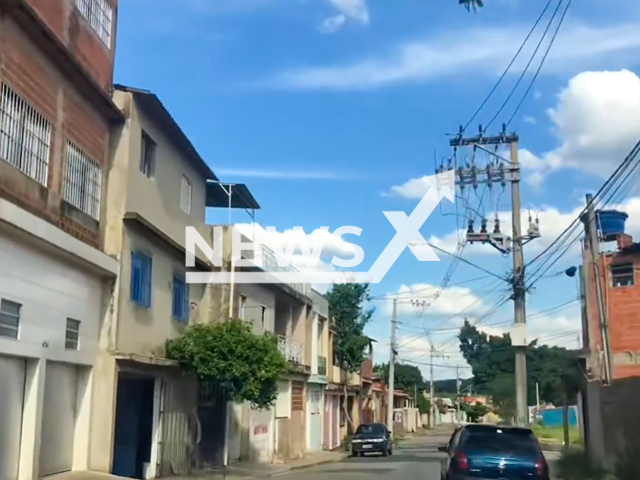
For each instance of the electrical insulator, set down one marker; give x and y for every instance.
(502, 179)
(496, 227)
(470, 227)
(483, 228)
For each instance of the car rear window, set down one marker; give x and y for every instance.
(375, 429)
(508, 440)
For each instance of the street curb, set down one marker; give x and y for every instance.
(297, 468)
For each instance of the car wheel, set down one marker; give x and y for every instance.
(385, 452)
(391, 451)
(362, 454)
(353, 454)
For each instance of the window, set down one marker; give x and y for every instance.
(147, 155)
(72, 335)
(185, 195)
(83, 182)
(99, 16)
(264, 316)
(622, 275)
(297, 396)
(9, 319)
(242, 307)
(180, 310)
(141, 279)
(25, 136)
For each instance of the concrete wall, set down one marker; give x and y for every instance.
(51, 285)
(257, 296)
(142, 330)
(156, 199)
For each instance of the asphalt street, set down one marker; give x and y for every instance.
(414, 459)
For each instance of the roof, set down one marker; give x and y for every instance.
(234, 195)
(155, 109)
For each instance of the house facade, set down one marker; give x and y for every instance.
(609, 420)
(56, 114)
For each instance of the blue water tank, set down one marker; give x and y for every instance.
(611, 223)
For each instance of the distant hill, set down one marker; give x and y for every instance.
(449, 386)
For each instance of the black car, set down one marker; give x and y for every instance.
(372, 437)
(485, 452)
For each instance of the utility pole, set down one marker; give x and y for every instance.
(392, 362)
(502, 171)
(594, 253)
(537, 396)
(522, 408)
(458, 413)
(432, 410)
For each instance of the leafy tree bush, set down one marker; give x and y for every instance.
(246, 365)
(424, 405)
(475, 412)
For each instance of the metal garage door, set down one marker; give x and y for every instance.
(58, 418)
(12, 371)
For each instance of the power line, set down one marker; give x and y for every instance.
(526, 68)
(504, 74)
(467, 262)
(544, 58)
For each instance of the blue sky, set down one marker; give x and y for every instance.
(324, 106)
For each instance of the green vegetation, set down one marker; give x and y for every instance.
(407, 378)
(475, 412)
(246, 365)
(346, 304)
(578, 465)
(556, 434)
(423, 404)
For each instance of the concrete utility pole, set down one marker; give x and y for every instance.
(594, 254)
(392, 362)
(522, 408)
(503, 171)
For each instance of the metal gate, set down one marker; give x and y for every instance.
(193, 429)
(12, 379)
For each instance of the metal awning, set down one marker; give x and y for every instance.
(230, 195)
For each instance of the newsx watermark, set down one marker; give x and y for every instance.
(274, 265)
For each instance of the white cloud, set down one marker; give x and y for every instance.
(450, 301)
(597, 123)
(348, 11)
(414, 188)
(448, 52)
(529, 119)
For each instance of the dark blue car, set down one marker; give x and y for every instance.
(488, 452)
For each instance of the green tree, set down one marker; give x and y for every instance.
(246, 365)
(474, 412)
(423, 404)
(349, 317)
(407, 378)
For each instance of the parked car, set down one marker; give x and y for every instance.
(372, 437)
(484, 452)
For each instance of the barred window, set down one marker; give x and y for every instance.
(99, 16)
(25, 136)
(9, 318)
(180, 308)
(186, 192)
(83, 181)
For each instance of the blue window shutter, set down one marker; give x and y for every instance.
(136, 277)
(180, 300)
(147, 276)
(141, 279)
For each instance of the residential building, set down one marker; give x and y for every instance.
(610, 419)
(56, 113)
(157, 186)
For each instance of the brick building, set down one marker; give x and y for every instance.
(609, 406)
(56, 114)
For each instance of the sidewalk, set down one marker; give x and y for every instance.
(266, 470)
(236, 471)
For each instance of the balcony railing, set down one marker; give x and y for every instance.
(293, 351)
(270, 264)
(322, 366)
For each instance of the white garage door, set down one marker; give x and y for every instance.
(58, 418)
(12, 371)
